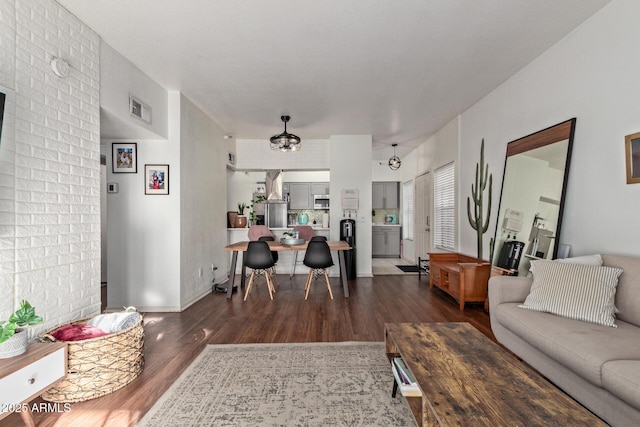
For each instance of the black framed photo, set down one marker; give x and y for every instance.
(156, 179)
(632, 154)
(124, 157)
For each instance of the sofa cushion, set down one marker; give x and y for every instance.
(628, 291)
(577, 291)
(580, 346)
(622, 378)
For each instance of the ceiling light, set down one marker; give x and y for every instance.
(394, 161)
(285, 141)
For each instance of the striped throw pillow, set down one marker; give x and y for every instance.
(575, 291)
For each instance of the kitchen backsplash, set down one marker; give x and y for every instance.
(380, 214)
(313, 214)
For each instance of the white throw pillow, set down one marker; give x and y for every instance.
(576, 291)
(585, 260)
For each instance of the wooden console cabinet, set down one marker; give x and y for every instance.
(463, 277)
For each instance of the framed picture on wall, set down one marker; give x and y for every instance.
(124, 157)
(156, 179)
(632, 152)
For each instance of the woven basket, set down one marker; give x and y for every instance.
(98, 366)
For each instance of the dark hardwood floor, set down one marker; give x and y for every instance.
(173, 340)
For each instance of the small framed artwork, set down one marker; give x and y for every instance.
(632, 152)
(124, 157)
(157, 179)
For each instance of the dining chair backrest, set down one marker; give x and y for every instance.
(320, 238)
(274, 254)
(318, 255)
(258, 256)
(257, 231)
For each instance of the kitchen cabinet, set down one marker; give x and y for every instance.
(386, 241)
(321, 188)
(385, 195)
(300, 195)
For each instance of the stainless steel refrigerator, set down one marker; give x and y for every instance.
(275, 214)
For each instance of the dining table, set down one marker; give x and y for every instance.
(340, 246)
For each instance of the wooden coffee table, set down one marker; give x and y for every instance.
(468, 380)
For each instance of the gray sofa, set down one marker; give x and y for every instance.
(599, 366)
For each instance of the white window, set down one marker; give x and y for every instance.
(444, 207)
(407, 210)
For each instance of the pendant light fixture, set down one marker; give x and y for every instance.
(394, 161)
(285, 141)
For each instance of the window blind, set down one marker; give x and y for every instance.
(407, 210)
(444, 226)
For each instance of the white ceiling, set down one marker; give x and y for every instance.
(398, 70)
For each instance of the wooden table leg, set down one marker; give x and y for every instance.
(232, 274)
(343, 273)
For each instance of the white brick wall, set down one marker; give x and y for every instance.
(50, 244)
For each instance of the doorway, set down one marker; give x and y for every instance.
(422, 199)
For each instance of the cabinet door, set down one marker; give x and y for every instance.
(393, 242)
(377, 195)
(378, 242)
(299, 195)
(391, 195)
(321, 188)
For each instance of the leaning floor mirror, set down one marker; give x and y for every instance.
(532, 198)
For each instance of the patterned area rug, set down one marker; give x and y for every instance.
(316, 384)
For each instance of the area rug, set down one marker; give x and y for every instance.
(316, 384)
(408, 268)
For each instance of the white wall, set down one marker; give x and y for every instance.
(143, 260)
(50, 160)
(350, 159)
(592, 75)
(203, 189)
(119, 79)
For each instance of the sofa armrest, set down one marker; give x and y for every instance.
(504, 289)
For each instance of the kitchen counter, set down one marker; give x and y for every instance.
(317, 228)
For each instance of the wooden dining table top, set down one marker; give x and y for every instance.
(334, 245)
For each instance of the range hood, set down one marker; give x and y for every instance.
(273, 186)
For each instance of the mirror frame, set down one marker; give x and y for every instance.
(559, 132)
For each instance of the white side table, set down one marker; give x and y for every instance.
(28, 375)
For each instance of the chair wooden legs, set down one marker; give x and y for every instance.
(326, 277)
(307, 286)
(246, 293)
(270, 286)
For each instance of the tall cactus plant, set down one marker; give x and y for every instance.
(478, 221)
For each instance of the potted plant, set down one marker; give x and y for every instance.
(13, 338)
(241, 220)
(252, 213)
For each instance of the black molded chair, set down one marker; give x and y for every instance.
(258, 257)
(320, 238)
(274, 255)
(318, 259)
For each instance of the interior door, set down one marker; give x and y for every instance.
(422, 200)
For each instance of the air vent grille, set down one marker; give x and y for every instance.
(139, 109)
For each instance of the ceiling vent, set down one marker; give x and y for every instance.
(139, 109)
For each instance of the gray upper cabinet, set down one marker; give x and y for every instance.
(321, 188)
(300, 195)
(385, 195)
